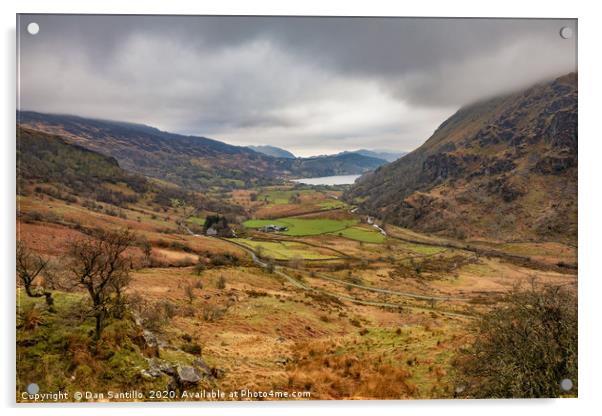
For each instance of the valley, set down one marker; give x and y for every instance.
(330, 306)
(226, 271)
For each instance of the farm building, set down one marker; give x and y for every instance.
(271, 228)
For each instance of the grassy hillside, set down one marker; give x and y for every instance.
(49, 165)
(49, 161)
(505, 169)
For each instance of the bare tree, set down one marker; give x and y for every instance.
(100, 266)
(30, 266)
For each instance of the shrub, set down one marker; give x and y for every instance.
(199, 268)
(189, 292)
(155, 315)
(296, 263)
(523, 348)
(221, 282)
(224, 259)
(356, 280)
(31, 318)
(271, 266)
(192, 348)
(32, 216)
(212, 313)
(185, 262)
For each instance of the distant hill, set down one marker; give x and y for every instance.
(381, 154)
(273, 151)
(339, 164)
(502, 168)
(189, 161)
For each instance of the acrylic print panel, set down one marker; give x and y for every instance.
(295, 208)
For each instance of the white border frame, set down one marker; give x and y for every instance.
(590, 178)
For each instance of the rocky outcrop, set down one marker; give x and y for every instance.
(183, 375)
(551, 165)
(562, 131)
(505, 188)
(440, 167)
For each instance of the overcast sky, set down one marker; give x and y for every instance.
(310, 85)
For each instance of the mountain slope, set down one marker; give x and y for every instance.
(193, 162)
(48, 159)
(273, 151)
(48, 164)
(504, 168)
(189, 161)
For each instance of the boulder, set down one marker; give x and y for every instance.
(167, 368)
(156, 367)
(202, 366)
(151, 343)
(187, 376)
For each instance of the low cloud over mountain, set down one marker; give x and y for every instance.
(321, 85)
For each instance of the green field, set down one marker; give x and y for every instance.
(332, 204)
(302, 227)
(362, 234)
(279, 197)
(196, 220)
(284, 250)
(317, 226)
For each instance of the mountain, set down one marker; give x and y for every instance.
(339, 164)
(273, 151)
(192, 162)
(503, 168)
(381, 154)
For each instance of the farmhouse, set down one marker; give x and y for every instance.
(271, 228)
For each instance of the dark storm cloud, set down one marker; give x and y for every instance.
(309, 84)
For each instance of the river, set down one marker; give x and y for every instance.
(329, 180)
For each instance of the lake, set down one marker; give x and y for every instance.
(329, 180)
